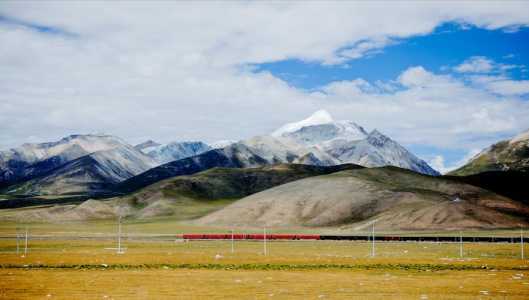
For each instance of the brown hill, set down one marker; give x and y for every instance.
(395, 198)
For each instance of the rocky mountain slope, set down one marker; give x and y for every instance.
(509, 155)
(234, 156)
(146, 146)
(176, 150)
(347, 142)
(31, 160)
(317, 140)
(94, 173)
(396, 199)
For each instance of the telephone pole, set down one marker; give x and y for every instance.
(119, 236)
(460, 244)
(26, 243)
(373, 241)
(18, 243)
(264, 241)
(521, 243)
(232, 243)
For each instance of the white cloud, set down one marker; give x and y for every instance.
(501, 85)
(483, 65)
(430, 109)
(416, 77)
(509, 87)
(439, 164)
(475, 64)
(175, 70)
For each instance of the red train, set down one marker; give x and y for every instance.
(386, 238)
(243, 236)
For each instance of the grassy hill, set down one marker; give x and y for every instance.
(183, 197)
(396, 199)
(511, 184)
(510, 155)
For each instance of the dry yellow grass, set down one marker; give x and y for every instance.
(208, 284)
(67, 267)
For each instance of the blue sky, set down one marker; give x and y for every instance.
(443, 78)
(447, 46)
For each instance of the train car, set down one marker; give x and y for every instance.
(292, 237)
(239, 236)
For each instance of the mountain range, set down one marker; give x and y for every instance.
(95, 164)
(314, 173)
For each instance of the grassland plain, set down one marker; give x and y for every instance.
(73, 261)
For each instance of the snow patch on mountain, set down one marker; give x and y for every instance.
(177, 150)
(147, 146)
(319, 117)
(221, 144)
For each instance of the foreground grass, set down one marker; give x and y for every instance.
(221, 284)
(76, 261)
(74, 269)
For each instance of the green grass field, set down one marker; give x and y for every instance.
(61, 265)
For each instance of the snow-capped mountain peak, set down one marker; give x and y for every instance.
(317, 118)
(348, 142)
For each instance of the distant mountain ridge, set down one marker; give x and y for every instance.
(31, 160)
(508, 155)
(102, 163)
(94, 173)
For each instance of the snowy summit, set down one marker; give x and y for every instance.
(317, 118)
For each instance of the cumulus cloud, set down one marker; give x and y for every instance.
(501, 85)
(177, 70)
(438, 162)
(430, 109)
(482, 64)
(509, 87)
(475, 64)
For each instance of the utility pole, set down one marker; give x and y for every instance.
(26, 243)
(18, 243)
(232, 243)
(119, 236)
(264, 241)
(521, 243)
(460, 244)
(373, 241)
